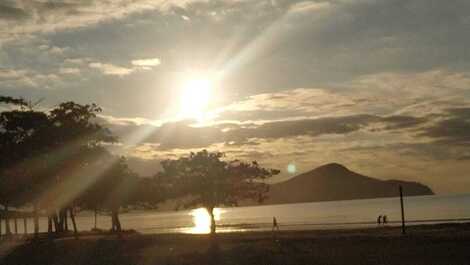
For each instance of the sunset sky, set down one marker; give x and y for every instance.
(381, 86)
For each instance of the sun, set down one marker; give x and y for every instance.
(195, 98)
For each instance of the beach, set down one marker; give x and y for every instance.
(422, 244)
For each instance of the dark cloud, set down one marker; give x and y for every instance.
(462, 113)
(452, 130)
(12, 13)
(312, 127)
(402, 122)
(181, 135)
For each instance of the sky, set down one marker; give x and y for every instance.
(380, 86)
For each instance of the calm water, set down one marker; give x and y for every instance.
(321, 215)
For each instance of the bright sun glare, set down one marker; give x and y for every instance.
(195, 98)
(202, 220)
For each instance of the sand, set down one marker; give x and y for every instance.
(424, 244)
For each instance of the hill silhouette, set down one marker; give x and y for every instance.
(333, 182)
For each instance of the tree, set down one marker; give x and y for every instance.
(121, 183)
(114, 188)
(55, 161)
(207, 180)
(42, 155)
(20, 130)
(72, 132)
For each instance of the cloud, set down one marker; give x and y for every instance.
(300, 102)
(385, 94)
(11, 78)
(126, 121)
(147, 62)
(76, 60)
(8, 74)
(19, 79)
(21, 18)
(382, 86)
(69, 70)
(453, 129)
(309, 6)
(184, 135)
(12, 13)
(110, 69)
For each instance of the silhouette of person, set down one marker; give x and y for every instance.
(379, 220)
(275, 224)
(384, 220)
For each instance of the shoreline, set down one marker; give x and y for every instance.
(424, 244)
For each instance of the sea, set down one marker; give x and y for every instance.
(299, 216)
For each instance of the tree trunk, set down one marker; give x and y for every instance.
(0, 225)
(49, 225)
(16, 225)
(214, 245)
(115, 221)
(72, 216)
(55, 218)
(36, 220)
(25, 223)
(66, 222)
(7, 221)
(62, 216)
(213, 225)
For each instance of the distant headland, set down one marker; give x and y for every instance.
(332, 182)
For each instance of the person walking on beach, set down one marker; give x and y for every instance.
(384, 220)
(379, 220)
(275, 224)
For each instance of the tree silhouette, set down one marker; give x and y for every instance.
(203, 178)
(72, 132)
(55, 161)
(117, 187)
(20, 132)
(42, 156)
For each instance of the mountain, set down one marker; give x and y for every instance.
(333, 182)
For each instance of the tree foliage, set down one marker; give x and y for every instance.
(205, 179)
(55, 161)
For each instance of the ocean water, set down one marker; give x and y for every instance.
(300, 216)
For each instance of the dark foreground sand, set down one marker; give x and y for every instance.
(430, 244)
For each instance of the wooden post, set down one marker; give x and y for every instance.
(96, 213)
(402, 212)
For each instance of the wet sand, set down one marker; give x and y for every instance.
(423, 244)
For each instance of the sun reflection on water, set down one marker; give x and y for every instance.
(202, 220)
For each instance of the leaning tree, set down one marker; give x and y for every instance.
(205, 179)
